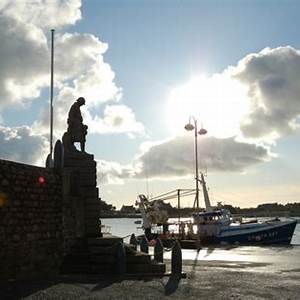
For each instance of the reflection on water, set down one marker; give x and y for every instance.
(270, 258)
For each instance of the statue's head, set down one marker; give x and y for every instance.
(81, 101)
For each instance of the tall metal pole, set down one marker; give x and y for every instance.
(196, 165)
(51, 96)
(190, 127)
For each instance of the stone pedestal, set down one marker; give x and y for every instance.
(80, 181)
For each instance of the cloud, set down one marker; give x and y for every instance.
(259, 98)
(22, 145)
(272, 77)
(45, 14)
(116, 119)
(23, 53)
(113, 172)
(174, 158)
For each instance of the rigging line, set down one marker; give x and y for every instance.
(192, 193)
(173, 191)
(175, 196)
(181, 194)
(168, 197)
(163, 194)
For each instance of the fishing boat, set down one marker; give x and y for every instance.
(215, 225)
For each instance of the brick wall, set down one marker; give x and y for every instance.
(31, 220)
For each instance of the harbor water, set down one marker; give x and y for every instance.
(262, 258)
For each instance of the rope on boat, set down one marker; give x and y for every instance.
(172, 195)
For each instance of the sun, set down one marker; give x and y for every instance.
(218, 102)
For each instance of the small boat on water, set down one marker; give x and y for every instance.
(214, 226)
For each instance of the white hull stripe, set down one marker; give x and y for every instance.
(242, 231)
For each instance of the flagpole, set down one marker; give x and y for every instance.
(51, 98)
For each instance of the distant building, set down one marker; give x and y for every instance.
(127, 209)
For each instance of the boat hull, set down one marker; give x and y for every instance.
(276, 233)
(270, 235)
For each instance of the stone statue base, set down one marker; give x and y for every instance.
(82, 169)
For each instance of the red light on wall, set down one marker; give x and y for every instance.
(42, 180)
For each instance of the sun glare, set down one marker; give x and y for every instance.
(218, 102)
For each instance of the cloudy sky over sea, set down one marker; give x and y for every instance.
(144, 68)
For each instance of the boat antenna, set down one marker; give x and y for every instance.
(51, 97)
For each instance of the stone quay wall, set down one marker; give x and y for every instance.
(31, 221)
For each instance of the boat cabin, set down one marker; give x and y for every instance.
(215, 217)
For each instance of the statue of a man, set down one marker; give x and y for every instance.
(76, 129)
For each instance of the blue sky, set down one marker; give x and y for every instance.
(151, 64)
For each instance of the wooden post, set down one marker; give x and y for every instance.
(144, 245)
(133, 241)
(121, 259)
(159, 251)
(176, 259)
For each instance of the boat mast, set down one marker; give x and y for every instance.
(208, 206)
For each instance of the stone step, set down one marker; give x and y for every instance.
(107, 241)
(75, 259)
(102, 250)
(88, 269)
(158, 268)
(146, 268)
(138, 258)
(92, 232)
(104, 259)
(129, 248)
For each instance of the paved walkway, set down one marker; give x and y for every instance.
(205, 280)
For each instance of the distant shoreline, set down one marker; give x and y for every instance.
(249, 215)
(120, 216)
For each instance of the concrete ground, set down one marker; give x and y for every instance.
(205, 280)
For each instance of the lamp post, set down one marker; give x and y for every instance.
(202, 131)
